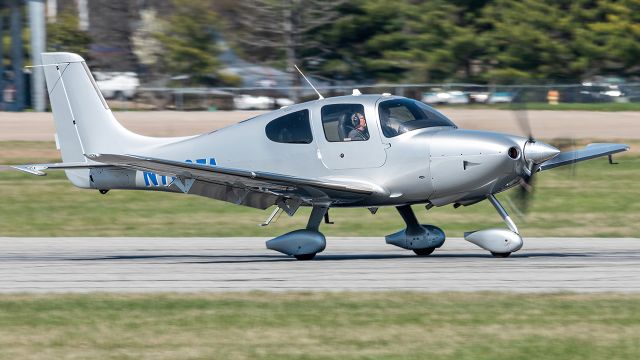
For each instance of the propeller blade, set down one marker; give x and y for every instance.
(525, 190)
(566, 144)
(519, 107)
(525, 193)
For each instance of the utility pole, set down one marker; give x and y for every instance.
(17, 55)
(1, 55)
(38, 39)
(83, 14)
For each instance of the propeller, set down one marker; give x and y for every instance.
(534, 153)
(525, 190)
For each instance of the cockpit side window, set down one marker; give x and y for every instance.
(399, 116)
(292, 128)
(344, 122)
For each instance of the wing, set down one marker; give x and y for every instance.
(591, 151)
(244, 187)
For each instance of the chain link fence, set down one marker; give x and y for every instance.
(447, 94)
(451, 94)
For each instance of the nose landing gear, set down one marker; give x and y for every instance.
(499, 242)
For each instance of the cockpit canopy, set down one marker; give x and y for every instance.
(398, 116)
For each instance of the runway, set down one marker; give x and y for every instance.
(35, 265)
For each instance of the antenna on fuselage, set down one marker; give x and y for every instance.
(309, 82)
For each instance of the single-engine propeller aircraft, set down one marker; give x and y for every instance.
(363, 151)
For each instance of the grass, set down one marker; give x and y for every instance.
(598, 200)
(383, 325)
(613, 106)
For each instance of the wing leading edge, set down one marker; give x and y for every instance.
(307, 190)
(591, 151)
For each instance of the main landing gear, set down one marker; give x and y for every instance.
(422, 239)
(303, 244)
(499, 242)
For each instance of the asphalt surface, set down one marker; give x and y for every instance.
(355, 264)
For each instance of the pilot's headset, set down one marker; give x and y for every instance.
(357, 120)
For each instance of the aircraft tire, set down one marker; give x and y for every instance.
(501, 255)
(424, 251)
(305, 257)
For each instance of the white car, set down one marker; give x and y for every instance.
(500, 97)
(117, 85)
(445, 97)
(251, 102)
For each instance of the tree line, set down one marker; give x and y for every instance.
(480, 41)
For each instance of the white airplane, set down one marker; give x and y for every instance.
(350, 151)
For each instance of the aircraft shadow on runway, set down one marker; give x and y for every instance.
(222, 259)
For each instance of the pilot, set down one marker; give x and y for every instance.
(359, 131)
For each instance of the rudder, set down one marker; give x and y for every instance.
(84, 123)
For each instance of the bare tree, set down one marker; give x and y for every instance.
(276, 29)
(112, 24)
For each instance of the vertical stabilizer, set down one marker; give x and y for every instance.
(84, 123)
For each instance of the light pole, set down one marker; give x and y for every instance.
(38, 40)
(17, 55)
(1, 55)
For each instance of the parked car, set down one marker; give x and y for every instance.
(589, 94)
(117, 85)
(252, 102)
(500, 97)
(445, 97)
(631, 93)
(479, 97)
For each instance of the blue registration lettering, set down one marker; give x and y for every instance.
(151, 179)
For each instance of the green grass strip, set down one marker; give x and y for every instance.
(384, 325)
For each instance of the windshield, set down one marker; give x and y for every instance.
(399, 116)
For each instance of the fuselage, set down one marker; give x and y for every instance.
(410, 163)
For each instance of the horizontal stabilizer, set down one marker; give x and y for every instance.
(38, 169)
(591, 151)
